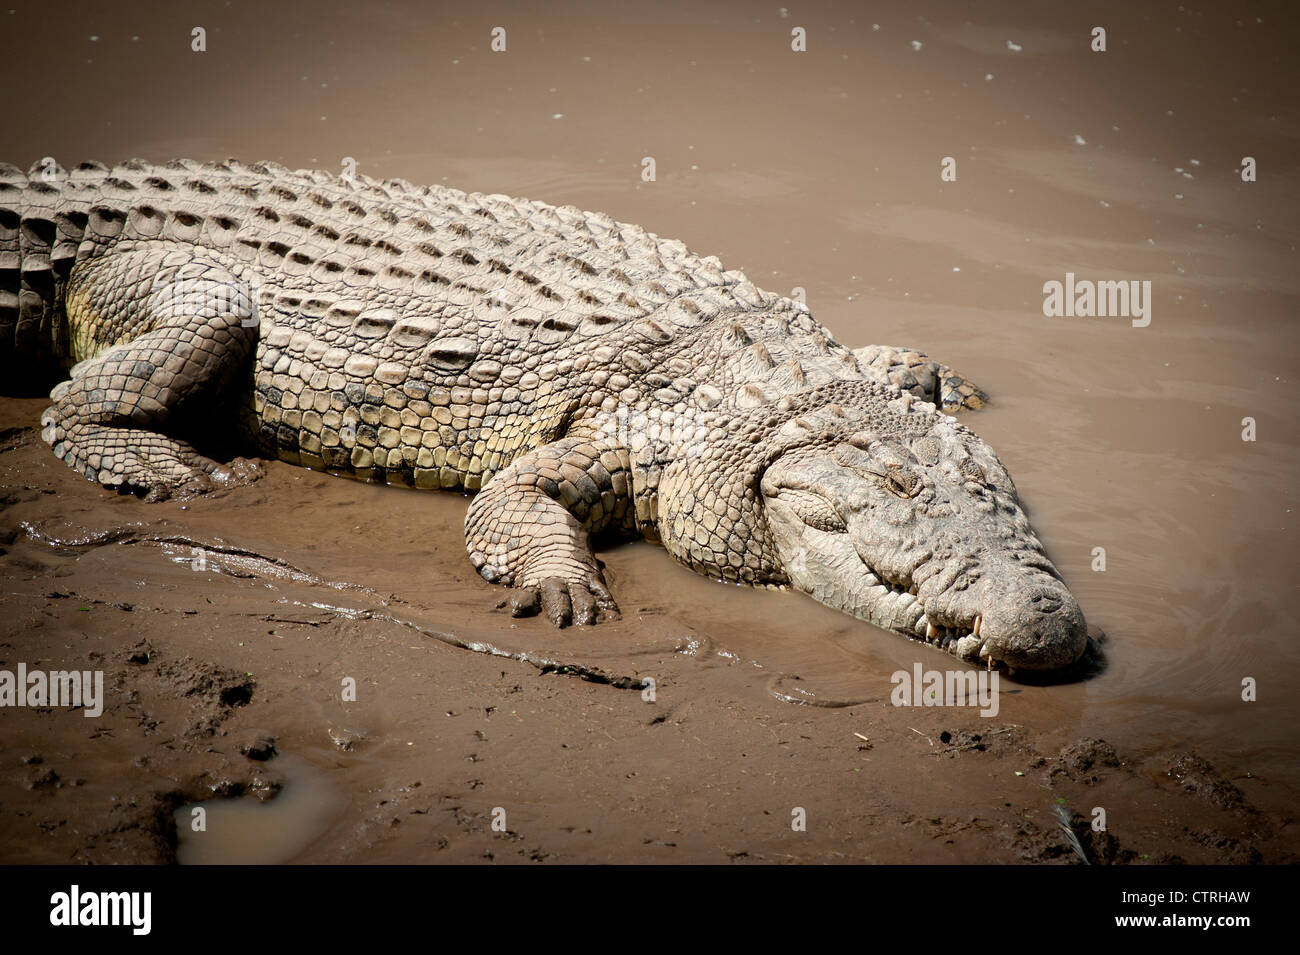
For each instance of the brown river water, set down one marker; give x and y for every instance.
(821, 170)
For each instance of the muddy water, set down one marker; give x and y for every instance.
(821, 170)
(246, 831)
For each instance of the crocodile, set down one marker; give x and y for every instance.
(580, 376)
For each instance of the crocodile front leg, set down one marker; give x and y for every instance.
(530, 527)
(119, 418)
(921, 375)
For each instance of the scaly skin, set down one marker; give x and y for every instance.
(586, 375)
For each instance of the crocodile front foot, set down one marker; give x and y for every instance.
(529, 528)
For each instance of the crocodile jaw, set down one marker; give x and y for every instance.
(1022, 620)
(920, 531)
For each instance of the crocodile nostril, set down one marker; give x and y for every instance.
(1046, 603)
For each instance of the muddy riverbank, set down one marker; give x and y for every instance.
(230, 621)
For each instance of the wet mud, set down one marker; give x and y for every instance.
(226, 635)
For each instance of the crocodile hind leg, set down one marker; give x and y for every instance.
(921, 375)
(117, 419)
(530, 527)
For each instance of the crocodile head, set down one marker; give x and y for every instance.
(922, 534)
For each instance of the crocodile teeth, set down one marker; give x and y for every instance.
(975, 627)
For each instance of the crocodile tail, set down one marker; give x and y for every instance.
(39, 239)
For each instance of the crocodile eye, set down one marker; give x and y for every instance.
(902, 482)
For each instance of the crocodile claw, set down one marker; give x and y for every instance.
(236, 473)
(583, 602)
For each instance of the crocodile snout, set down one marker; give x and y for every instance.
(1038, 627)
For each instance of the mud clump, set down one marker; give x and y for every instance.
(48, 779)
(214, 690)
(1232, 850)
(1104, 849)
(1196, 776)
(141, 653)
(1083, 759)
(1072, 840)
(259, 781)
(259, 747)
